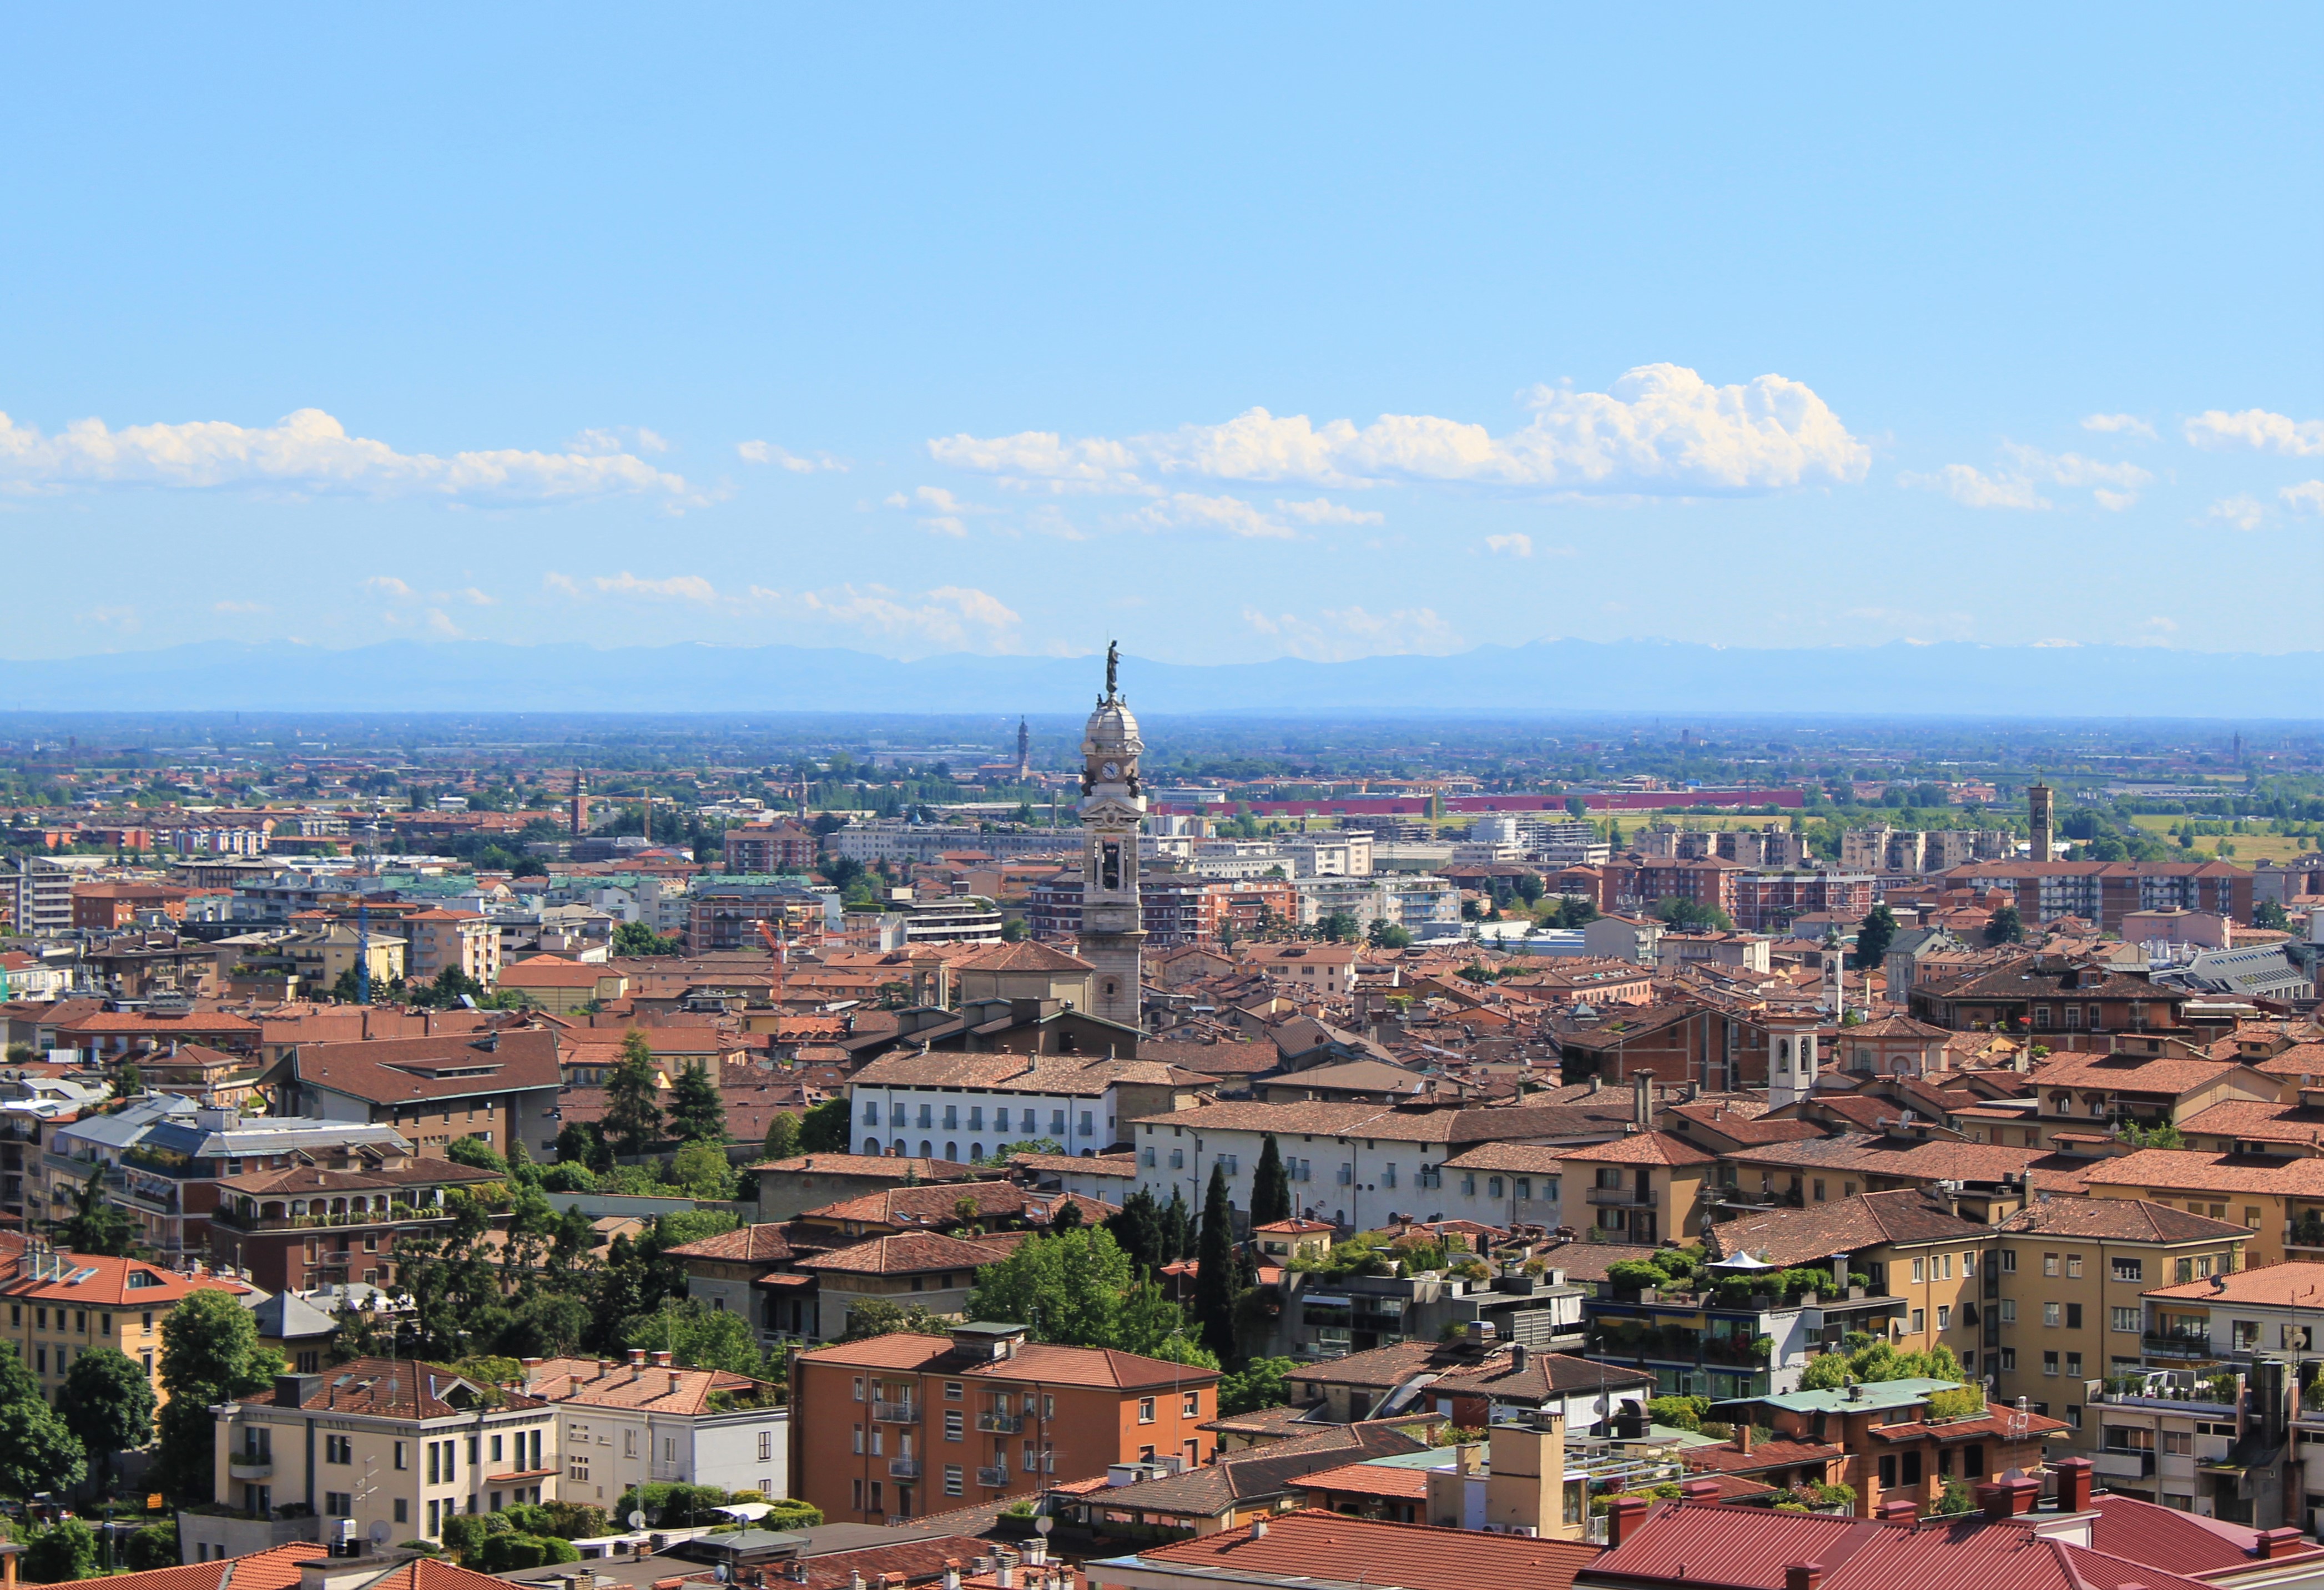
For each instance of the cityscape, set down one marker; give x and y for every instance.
(1066, 801)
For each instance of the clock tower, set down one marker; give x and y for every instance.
(1112, 804)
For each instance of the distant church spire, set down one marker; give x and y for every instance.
(1024, 752)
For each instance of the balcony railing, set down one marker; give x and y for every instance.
(1626, 1197)
(1001, 1424)
(399, 1215)
(2177, 1344)
(903, 1468)
(993, 1479)
(2124, 1465)
(251, 1467)
(895, 1413)
(2309, 1234)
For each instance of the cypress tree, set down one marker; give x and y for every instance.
(1137, 1229)
(1178, 1229)
(1214, 1283)
(1270, 1188)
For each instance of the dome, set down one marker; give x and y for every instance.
(1111, 729)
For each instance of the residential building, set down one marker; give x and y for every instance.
(168, 1179)
(902, 1425)
(2104, 892)
(562, 987)
(500, 1085)
(63, 1306)
(746, 1273)
(36, 896)
(2065, 1297)
(793, 1186)
(108, 906)
(770, 846)
(2081, 1099)
(2229, 1442)
(958, 1106)
(322, 953)
(1472, 1381)
(1023, 971)
(1328, 968)
(726, 912)
(1357, 1313)
(294, 1230)
(2278, 1202)
(389, 1445)
(646, 1422)
(1769, 902)
(1641, 1188)
(923, 1269)
(1166, 1497)
(440, 941)
(2047, 994)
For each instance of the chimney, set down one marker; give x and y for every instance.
(1898, 1510)
(1642, 1100)
(2274, 1543)
(675, 1380)
(952, 1573)
(637, 1360)
(2075, 1475)
(576, 1385)
(1699, 1489)
(660, 1359)
(1624, 1514)
(1743, 1434)
(1803, 1575)
(2009, 1498)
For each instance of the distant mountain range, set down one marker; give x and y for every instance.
(1552, 676)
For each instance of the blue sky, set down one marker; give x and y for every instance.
(1234, 331)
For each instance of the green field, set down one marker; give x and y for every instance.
(2253, 842)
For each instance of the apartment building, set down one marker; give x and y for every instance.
(294, 1230)
(770, 846)
(438, 941)
(2278, 1202)
(36, 896)
(1769, 901)
(960, 1106)
(2046, 994)
(2065, 1296)
(646, 1422)
(2081, 1098)
(1640, 1187)
(379, 1449)
(2104, 892)
(496, 1086)
(901, 1426)
(62, 1305)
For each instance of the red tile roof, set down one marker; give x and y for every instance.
(1033, 1361)
(2180, 1542)
(1325, 1546)
(274, 1570)
(116, 1283)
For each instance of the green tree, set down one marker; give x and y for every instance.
(98, 1225)
(108, 1403)
(66, 1550)
(1385, 934)
(1270, 1187)
(701, 1339)
(1263, 1382)
(1178, 1228)
(1340, 927)
(1873, 936)
(697, 1112)
(128, 1082)
(879, 1317)
(703, 1171)
(582, 1142)
(153, 1547)
(782, 1137)
(1070, 1286)
(2271, 913)
(38, 1450)
(209, 1355)
(1573, 911)
(633, 1119)
(825, 1128)
(635, 938)
(477, 1153)
(2005, 926)
(1214, 1279)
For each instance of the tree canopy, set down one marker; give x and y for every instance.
(633, 1119)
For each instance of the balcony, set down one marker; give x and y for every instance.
(249, 1466)
(1625, 1198)
(895, 1413)
(399, 1215)
(2305, 1234)
(903, 1468)
(2124, 1465)
(993, 1479)
(1001, 1424)
(2177, 1344)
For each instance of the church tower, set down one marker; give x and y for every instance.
(1112, 804)
(1024, 751)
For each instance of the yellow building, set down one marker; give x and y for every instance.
(2279, 1203)
(63, 1306)
(2069, 1283)
(1643, 1187)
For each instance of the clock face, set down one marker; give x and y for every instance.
(1112, 769)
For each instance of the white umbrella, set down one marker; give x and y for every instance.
(746, 1511)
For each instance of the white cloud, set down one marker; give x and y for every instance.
(240, 607)
(1973, 489)
(2167, 626)
(1338, 634)
(620, 438)
(681, 587)
(2120, 424)
(441, 623)
(387, 586)
(2241, 512)
(562, 583)
(309, 450)
(2215, 429)
(947, 512)
(1323, 511)
(782, 458)
(2306, 496)
(2030, 469)
(1662, 431)
(1229, 515)
(476, 598)
(1515, 544)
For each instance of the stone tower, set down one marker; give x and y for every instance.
(1112, 804)
(2038, 812)
(579, 816)
(1024, 752)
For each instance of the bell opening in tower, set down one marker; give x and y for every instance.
(1108, 875)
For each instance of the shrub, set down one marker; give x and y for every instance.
(504, 1554)
(66, 1550)
(1959, 1403)
(153, 1547)
(1679, 1412)
(574, 1521)
(428, 1548)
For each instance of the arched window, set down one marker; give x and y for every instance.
(871, 1147)
(928, 1149)
(1784, 1052)
(951, 1150)
(976, 1151)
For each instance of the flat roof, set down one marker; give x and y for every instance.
(1869, 1394)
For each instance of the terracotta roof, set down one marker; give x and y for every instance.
(274, 1570)
(1325, 1547)
(916, 1560)
(401, 1388)
(1643, 1148)
(2179, 1542)
(397, 1070)
(1101, 1367)
(1726, 1459)
(2117, 1220)
(306, 1179)
(1212, 1490)
(116, 1283)
(2162, 1075)
(2174, 1168)
(1027, 956)
(1106, 1164)
(913, 1252)
(744, 1243)
(552, 971)
(620, 1384)
(425, 1573)
(2283, 1285)
(1395, 1481)
(1812, 1235)
(2257, 1120)
(938, 1204)
(897, 1166)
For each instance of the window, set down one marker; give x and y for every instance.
(2125, 1319)
(2010, 1358)
(2049, 1313)
(2129, 1269)
(1918, 1265)
(1177, 1159)
(338, 1448)
(2073, 1316)
(2178, 1443)
(2074, 1415)
(400, 1463)
(766, 1446)
(1819, 1190)
(859, 1388)
(1969, 1261)
(1193, 1407)
(1048, 1406)
(1524, 1186)
(402, 1507)
(1919, 1320)
(2048, 1263)
(952, 1479)
(338, 1504)
(2073, 1266)
(1146, 1156)
(2074, 1365)
(2247, 1335)
(2184, 1271)
(858, 1447)
(1231, 1164)
(952, 1422)
(1146, 1410)
(954, 1391)
(1944, 1316)
(105, 1324)
(2009, 1260)
(1493, 1186)
(2049, 1363)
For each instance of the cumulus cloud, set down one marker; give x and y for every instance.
(387, 586)
(1228, 515)
(2306, 496)
(308, 450)
(2216, 430)
(2119, 424)
(678, 587)
(1661, 431)
(1323, 511)
(1514, 544)
(1338, 634)
(2113, 486)
(944, 513)
(620, 438)
(2241, 512)
(782, 458)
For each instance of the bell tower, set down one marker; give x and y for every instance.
(1112, 806)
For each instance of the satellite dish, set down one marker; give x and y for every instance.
(636, 1520)
(725, 1573)
(380, 1532)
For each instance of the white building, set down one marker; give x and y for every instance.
(643, 1422)
(956, 1105)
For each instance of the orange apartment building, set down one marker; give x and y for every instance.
(902, 1425)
